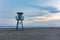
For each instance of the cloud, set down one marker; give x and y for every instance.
(51, 23)
(49, 20)
(33, 12)
(47, 17)
(51, 9)
(7, 22)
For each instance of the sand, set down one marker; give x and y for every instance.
(30, 34)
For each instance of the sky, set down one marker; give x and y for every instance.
(37, 13)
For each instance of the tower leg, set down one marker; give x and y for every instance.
(22, 25)
(17, 25)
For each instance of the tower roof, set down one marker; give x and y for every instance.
(19, 12)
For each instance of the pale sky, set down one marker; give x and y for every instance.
(42, 13)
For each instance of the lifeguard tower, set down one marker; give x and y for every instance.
(19, 19)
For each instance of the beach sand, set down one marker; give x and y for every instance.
(30, 34)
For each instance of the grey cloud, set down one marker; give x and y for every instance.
(51, 9)
(52, 23)
(6, 14)
(36, 14)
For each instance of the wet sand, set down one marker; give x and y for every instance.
(30, 34)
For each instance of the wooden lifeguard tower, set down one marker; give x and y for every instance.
(19, 19)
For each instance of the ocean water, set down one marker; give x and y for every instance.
(15, 27)
(27, 27)
(7, 26)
